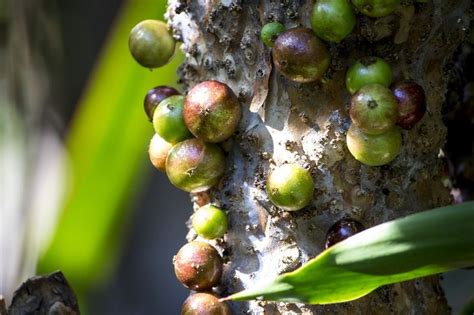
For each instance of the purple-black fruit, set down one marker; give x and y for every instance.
(198, 266)
(341, 230)
(300, 56)
(155, 96)
(211, 111)
(193, 165)
(411, 103)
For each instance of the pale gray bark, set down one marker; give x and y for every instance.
(285, 121)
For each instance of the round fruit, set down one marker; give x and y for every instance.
(209, 222)
(204, 304)
(158, 150)
(211, 111)
(374, 109)
(195, 166)
(300, 56)
(411, 103)
(374, 150)
(151, 44)
(368, 70)
(198, 266)
(155, 96)
(168, 120)
(290, 187)
(341, 230)
(270, 32)
(332, 20)
(376, 8)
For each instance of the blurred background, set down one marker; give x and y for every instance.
(77, 190)
(74, 141)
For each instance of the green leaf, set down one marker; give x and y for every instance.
(419, 245)
(107, 146)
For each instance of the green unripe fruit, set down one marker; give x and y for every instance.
(332, 20)
(198, 266)
(290, 187)
(195, 166)
(204, 304)
(211, 111)
(300, 56)
(270, 32)
(374, 109)
(374, 150)
(158, 151)
(168, 120)
(376, 8)
(209, 222)
(155, 96)
(368, 70)
(151, 44)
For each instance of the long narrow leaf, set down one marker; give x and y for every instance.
(419, 245)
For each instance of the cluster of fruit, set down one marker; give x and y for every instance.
(375, 110)
(184, 146)
(187, 129)
(301, 56)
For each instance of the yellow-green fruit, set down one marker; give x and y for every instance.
(158, 151)
(374, 150)
(151, 44)
(290, 187)
(210, 222)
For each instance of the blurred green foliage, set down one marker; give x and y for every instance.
(107, 143)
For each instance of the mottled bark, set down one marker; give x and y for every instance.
(285, 121)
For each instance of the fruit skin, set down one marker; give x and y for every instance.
(151, 44)
(411, 103)
(374, 109)
(158, 151)
(368, 70)
(270, 32)
(155, 96)
(376, 8)
(204, 304)
(290, 187)
(211, 111)
(168, 120)
(195, 166)
(300, 56)
(341, 230)
(332, 20)
(374, 150)
(198, 266)
(210, 222)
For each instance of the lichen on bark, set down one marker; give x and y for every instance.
(284, 121)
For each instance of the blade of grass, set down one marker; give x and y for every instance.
(107, 145)
(419, 245)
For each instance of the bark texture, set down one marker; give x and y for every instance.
(285, 121)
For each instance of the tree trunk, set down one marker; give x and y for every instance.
(284, 121)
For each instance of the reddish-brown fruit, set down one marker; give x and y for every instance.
(155, 96)
(300, 56)
(211, 111)
(158, 150)
(411, 103)
(341, 230)
(193, 165)
(198, 266)
(204, 304)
